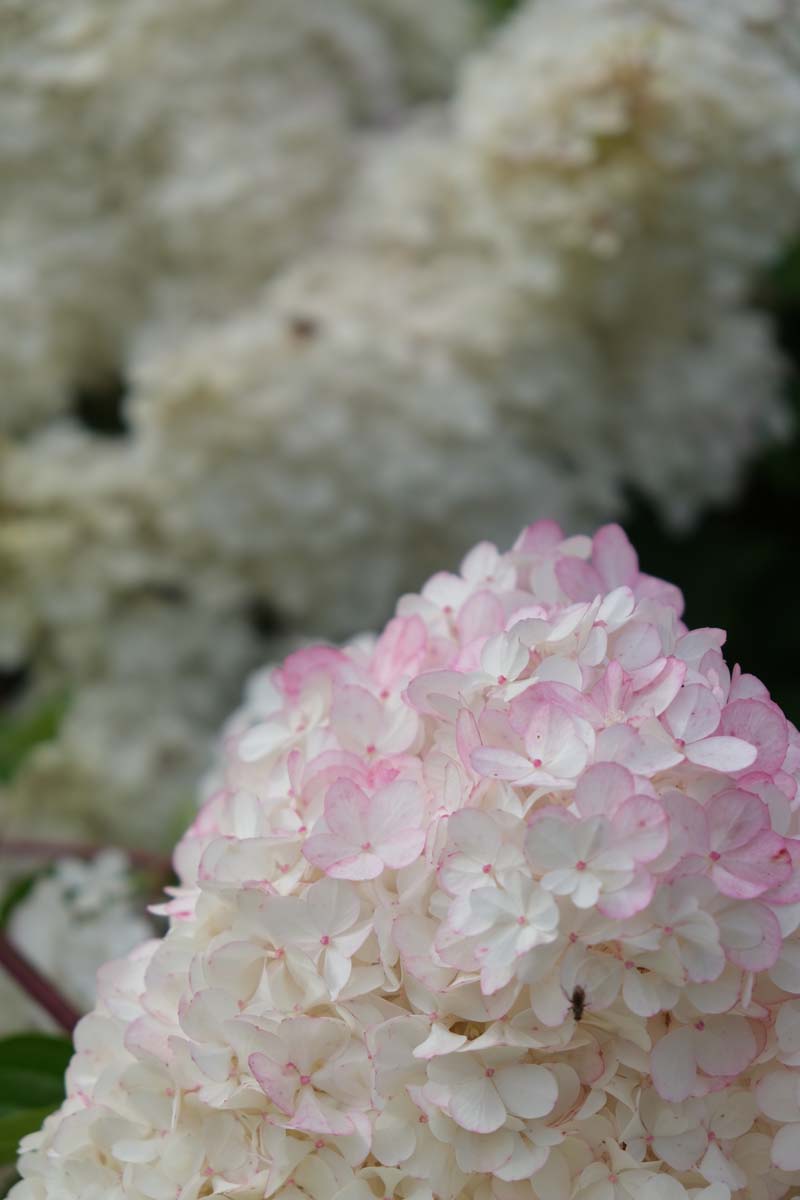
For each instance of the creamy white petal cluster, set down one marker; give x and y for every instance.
(526, 301)
(71, 922)
(503, 903)
(159, 160)
(565, 257)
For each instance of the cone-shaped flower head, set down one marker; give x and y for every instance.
(502, 903)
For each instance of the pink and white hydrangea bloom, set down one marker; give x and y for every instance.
(503, 904)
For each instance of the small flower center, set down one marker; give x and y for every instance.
(489, 1072)
(324, 940)
(715, 856)
(580, 865)
(700, 1026)
(537, 762)
(305, 1080)
(366, 845)
(487, 868)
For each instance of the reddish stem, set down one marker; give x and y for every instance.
(31, 980)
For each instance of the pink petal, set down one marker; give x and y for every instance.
(308, 665)
(314, 1117)
(539, 537)
(750, 936)
(763, 725)
(481, 616)
(734, 819)
(693, 714)
(725, 754)
(658, 693)
(399, 650)
(633, 898)
(346, 811)
(602, 788)
(624, 745)
(275, 1081)
(615, 558)
(577, 579)
(637, 645)
(757, 867)
(641, 825)
(340, 859)
(500, 764)
(396, 809)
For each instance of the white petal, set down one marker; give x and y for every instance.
(527, 1091)
(476, 1106)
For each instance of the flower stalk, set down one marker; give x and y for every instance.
(40, 989)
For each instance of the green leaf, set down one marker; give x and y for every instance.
(15, 1125)
(21, 734)
(32, 1070)
(496, 10)
(15, 894)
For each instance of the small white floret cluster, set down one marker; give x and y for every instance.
(72, 921)
(501, 904)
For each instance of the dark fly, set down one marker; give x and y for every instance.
(578, 1002)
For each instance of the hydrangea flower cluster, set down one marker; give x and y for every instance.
(500, 904)
(566, 241)
(126, 208)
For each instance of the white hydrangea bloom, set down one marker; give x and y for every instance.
(638, 135)
(529, 299)
(501, 904)
(71, 922)
(124, 201)
(97, 610)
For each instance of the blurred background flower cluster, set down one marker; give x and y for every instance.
(299, 299)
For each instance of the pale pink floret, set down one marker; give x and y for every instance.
(501, 905)
(688, 1061)
(304, 1071)
(693, 718)
(731, 839)
(360, 835)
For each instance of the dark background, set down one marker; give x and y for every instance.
(737, 566)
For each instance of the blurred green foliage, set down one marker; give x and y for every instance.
(497, 9)
(21, 732)
(736, 566)
(32, 1070)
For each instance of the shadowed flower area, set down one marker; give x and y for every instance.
(732, 565)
